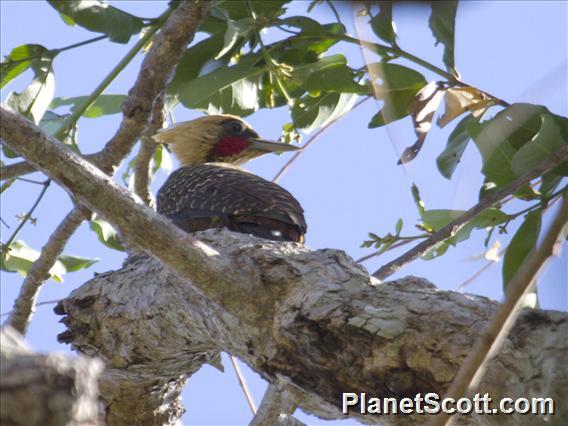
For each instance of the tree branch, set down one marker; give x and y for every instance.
(46, 390)
(161, 59)
(311, 319)
(22, 312)
(17, 169)
(491, 199)
(323, 327)
(495, 332)
(147, 148)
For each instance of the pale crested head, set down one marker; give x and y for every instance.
(216, 138)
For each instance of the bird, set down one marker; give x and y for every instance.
(210, 190)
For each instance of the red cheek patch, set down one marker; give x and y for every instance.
(230, 145)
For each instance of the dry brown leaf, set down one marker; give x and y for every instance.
(461, 99)
(422, 109)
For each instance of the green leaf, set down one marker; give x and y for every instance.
(398, 226)
(442, 24)
(103, 105)
(382, 24)
(397, 89)
(550, 182)
(106, 233)
(499, 139)
(51, 122)
(226, 89)
(19, 60)
(436, 219)
(539, 148)
(496, 151)
(436, 251)
(521, 245)
(162, 160)
(75, 263)
(314, 113)
(20, 259)
(449, 158)
(35, 99)
(417, 200)
(267, 8)
(335, 78)
(193, 61)
(98, 16)
(308, 46)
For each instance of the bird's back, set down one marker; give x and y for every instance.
(212, 195)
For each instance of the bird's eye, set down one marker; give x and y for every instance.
(237, 127)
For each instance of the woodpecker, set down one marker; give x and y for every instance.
(210, 190)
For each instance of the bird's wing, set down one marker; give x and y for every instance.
(217, 190)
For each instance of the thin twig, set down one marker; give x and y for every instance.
(26, 217)
(243, 384)
(394, 246)
(46, 302)
(491, 199)
(334, 11)
(23, 309)
(477, 274)
(312, 139)
(496, 330)
(147, 148)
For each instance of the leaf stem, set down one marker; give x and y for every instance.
(82, 43)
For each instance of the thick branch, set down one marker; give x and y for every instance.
(218, 279)
(327, 330)
(491, 199)
(22, 313)
(46, 390)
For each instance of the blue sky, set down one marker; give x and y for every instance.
(348, 181)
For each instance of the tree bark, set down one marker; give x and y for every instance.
(46, 390)
(322, 326)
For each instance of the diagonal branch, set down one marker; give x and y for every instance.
(491, 339)
(23, 310)
(313, 319)
(147, 148)
(167, 48)
(491, 199)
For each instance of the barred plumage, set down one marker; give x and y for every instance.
(199, 196)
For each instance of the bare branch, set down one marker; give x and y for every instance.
(147, 148)
(17, 169)
(166, 51)
(22, 312)
(312, 139)
(243, 384)
(491, 199)
(161, 59)
(491, 339)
